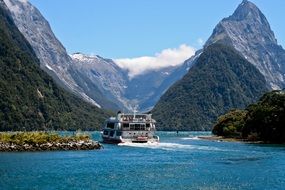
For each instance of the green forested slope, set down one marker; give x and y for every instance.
(262, 121)
(29, 99)
(220, 80)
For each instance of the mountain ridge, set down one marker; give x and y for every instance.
(52, 54)
(249, 32)
(220, 80)
(30, 99)
(110, 88)
(114, 91)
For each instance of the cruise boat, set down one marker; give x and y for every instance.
(131, 128)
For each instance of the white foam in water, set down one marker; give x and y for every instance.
(191, 138)
(170, 146)
(142, 145)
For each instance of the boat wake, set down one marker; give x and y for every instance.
(191, 138)
(170, 146)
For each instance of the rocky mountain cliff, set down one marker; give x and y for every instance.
(249, 32)
(220, 80)
(30, 100)
(51, 53)
(104, 75)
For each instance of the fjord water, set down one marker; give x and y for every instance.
(178, 162)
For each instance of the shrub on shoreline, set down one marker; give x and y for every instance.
(263, 121)
(21, 138)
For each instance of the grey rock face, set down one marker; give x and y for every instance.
(51, 53)
(110, 80)
(249, 32)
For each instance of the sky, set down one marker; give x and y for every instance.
(145, 30)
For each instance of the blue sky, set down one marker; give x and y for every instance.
(128, 28)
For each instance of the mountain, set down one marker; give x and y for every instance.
(145, 90)
(249, 32)
(101, 82)
(220, 80)
(93, 78)
(175, 76)
(52, 55)
(140, 92)
(104, 75)
(30, 99)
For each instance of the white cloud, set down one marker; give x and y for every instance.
(166, 58)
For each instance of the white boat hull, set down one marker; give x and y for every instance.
(130, 140)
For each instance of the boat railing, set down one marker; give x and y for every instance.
(135, 120)
(137, 117)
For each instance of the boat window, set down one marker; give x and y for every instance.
(105, 132)
(119, 133)
(125, 125)
(111, 125)
(142, 127)
(132, 127)
(111, 133)
(137, 127)
(148, 125)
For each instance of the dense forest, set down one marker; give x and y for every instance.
(262, 121)
(220, 80)
(29, 98)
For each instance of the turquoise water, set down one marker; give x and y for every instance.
(177, 162)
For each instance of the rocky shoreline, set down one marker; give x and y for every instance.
(50, 146)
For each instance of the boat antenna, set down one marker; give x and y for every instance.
(135, 110)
